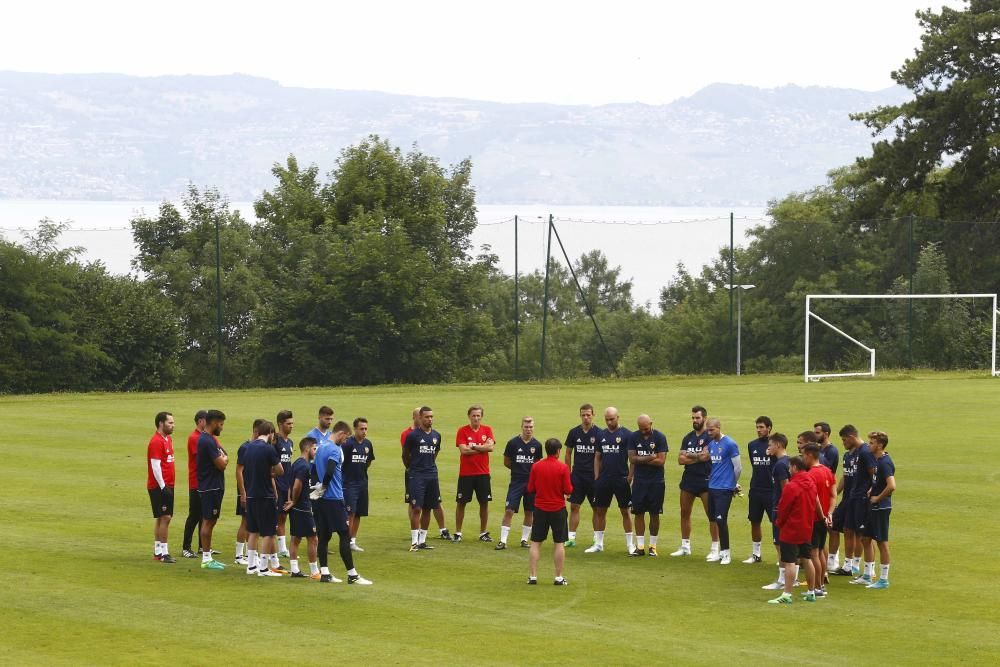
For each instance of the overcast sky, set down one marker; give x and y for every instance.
(538, 51)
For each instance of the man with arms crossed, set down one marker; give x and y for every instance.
(760, 485)
(647, 452)
(613, 479)
(299, 509)
(880, 499)
(420, 451)
(359, 453)
(475, 442)
(581, 445)
(212, 461)
(160, 476)
(261, 465)
(193, 521)
(283, 425)
(439, 510)
(723, 483)
(550, 483)
(521, 453)
(694, 481)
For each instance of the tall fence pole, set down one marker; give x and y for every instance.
(218, 298)
(732, 249)
(517, 322)
(909, 303)
(545, 297)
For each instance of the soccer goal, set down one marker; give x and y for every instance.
(811, 316)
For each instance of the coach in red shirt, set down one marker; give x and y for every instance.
(550, 482)
(474, 442)
(160, 483)
(796, 514)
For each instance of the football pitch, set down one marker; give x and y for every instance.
(79, 584)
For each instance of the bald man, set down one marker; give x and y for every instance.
(647, 452)
(613, 479)
(439, 510)
(723, 484)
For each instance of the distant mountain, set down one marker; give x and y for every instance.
(107, 136)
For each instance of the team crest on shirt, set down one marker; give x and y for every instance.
(618, 440)
(593, 440)
(532, 450)
(366, 450)
(434, 441)
(215, 512)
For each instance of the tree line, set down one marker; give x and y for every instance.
(367, 275)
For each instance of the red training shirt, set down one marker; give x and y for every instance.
(193, 460)
(824, 480)
(797, 510)
(478, 463)
(161, 448)
(402, 436)
(549, 481)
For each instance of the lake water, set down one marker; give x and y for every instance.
(646, 241)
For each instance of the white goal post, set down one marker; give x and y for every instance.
(809, 376)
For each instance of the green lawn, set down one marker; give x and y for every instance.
(79, 585)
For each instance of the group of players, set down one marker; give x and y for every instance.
(326, 491)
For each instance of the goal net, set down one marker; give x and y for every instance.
(948, 330)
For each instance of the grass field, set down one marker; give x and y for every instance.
(79, 585)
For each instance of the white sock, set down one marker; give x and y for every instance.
(796, 573)
(414, 537)
(293, 564)
(715, 548)
(572, 535)
(156, 548)
(252, 559)
(241, 548)
(652, 540)
(313, 568)
(629, 541)
(525, 533)
(781, 574)
(504, 532)
(640, 541)
(756, 549)
(686, 544)
(281, 543)
(261, 561)
(559, 578)
(885, 573)
(206, 556)
(869, 569)
(354, 540)
(164, 549)
(599, 537)
(274, 561)
(324, 570)
(422, 537)
(352, 572)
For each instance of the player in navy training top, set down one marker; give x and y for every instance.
(522, 452)
(261, 465)
(828, 454)
(614, 479)
(284, 423)
(647, 452)
(581, 444)
(694, 480)
(212, 460)
(299, 509)
(843, 514)
(760, 485)
(359, 453)
(241, 497)
(420, 450)
(880, 500)
(780, 472)
(864, 472)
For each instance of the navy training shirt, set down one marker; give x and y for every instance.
(863, 472)
(210, 478)
(830, 456)
(356, 458)
(613, 446)
(850, 470)
(522, 456)
(780, 471)
(301, 471)
(760, 476)
(884, 469)
(423, 448)
(584, 446)
(642, 445)
(284, 448)
(694, 443)
(258, 459)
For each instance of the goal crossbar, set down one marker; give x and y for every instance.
(871, 350)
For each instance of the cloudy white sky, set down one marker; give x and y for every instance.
(538, 51)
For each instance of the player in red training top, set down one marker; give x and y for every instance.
(439, 510)
(474, 442)
(160, 483)
(193, 521)
(549, 480)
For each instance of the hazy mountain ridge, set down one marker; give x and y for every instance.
(120, 137)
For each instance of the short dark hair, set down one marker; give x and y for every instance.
(161, 417)
(201, 414)
(325, 411)
(848, 430)
(811, 448)
(797, 463)
(256, 425)
(305, 443)
(264, 427)
(779, 438)
(341, 427)
(215, 416)
(766, 421)
(425, 409)
(809, 436)
(586, 406)
(823, 426)
(553, 445)
(283, 416)
(701, 409)
(358, 420)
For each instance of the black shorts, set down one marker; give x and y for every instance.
(819, 535)
(425, 492)
(877, 527)
(194, 503)
(693, 485)
(719, 501)
(839, 513)
(240, 510)
(858, 514)
(262, 516)
(758, 506)
(583, 488)
(647, 496)
(516, 492)
(330, 515)
(543, 521)
(162, 501)
(618, 487)
(302, 524)
(282, 497)
(356, 498)
(791, 553)
(478, 484)
(211, 503)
